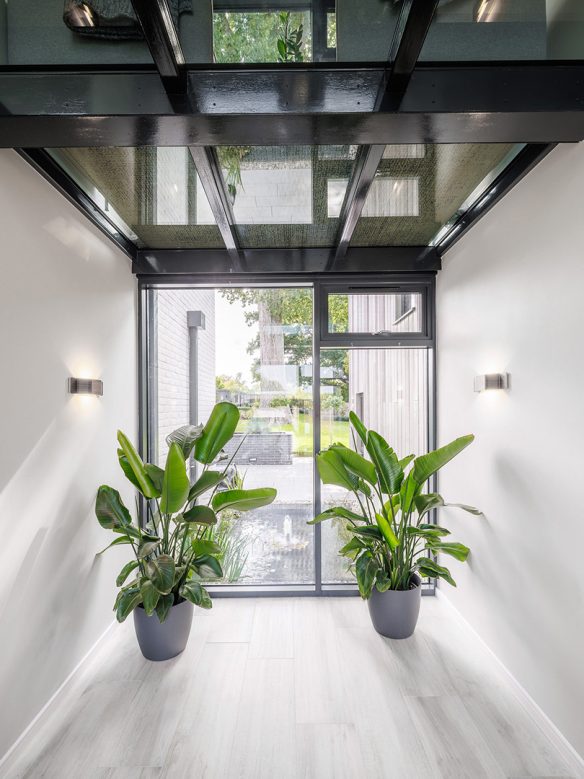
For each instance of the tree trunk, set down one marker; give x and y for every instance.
(271, 339)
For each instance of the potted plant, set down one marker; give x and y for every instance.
(392, 543)
(173, 552)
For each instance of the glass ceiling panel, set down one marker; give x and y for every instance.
(471, 30)
(286, 196)
(154, 196)
(420, 190)
(75, 32)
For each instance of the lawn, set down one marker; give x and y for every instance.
(330, 433)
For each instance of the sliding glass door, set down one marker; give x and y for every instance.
(256, 347)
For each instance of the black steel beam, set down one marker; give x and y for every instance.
(366, 166)
(481, 103)
(183, 262)
(525, 161)
(209, 171)
(161, 36)
(44, 164)
(405, 50)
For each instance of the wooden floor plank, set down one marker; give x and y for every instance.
(294, 689)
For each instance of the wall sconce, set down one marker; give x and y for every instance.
(490, 381)
(85, 386)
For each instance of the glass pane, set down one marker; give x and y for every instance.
(154, 193)
(388, 390)
(72, 32)
(286, 196)
(420, 188)
(506, 30)
(253, 348)
(375, 313)
(262, 36)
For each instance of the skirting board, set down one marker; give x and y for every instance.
(55, 695)
(531, 707)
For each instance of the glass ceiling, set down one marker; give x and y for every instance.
(284, 196)
(73, 32)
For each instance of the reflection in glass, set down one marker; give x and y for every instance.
(376, 313)
(388, 389)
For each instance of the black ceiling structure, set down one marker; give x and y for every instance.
(402, 101)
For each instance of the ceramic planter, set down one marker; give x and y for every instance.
(394, 613)
(161, 641)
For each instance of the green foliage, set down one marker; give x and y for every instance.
(252, 36)
(175, 550)
(388, 538)
(290, 44)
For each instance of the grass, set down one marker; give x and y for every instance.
(330, 433)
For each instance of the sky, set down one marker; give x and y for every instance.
(232, 338)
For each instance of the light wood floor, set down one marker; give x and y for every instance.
(303, 687)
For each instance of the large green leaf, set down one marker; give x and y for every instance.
(337, 511)
(368, 531)
(428, 464)
(186, 437)
(427, 531)
(243, 500)
(175, 486)
(205, 482)
(386, 529)
(110, 510)
(205, 547)
(355, 463)
(359, 427)
(135, 462)
(156, 475)
(366, 570)
(332, 470)
(458, 551)
(148, 546)
(208, 564)
(217, 432)
(116, 542)
(201, 515)
(352, 548)
(127, 602)
(126, 571)
(197, 594)
(126, 468)
(161, 573)
(150, 596)
(389, 471)
(425, 503)
(428, 567)
(407, 494)
(164, 605)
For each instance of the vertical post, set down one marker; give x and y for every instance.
(316, 328)
(195, 322)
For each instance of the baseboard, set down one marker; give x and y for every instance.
(55, 695)
(528, 703)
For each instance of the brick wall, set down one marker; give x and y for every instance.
(173, 360)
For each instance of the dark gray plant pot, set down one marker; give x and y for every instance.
(394, 613)
(161, 641)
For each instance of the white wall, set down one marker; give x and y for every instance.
(67, 308)
(510, 299)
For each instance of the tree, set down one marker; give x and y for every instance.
(253, 36)
(284, 335)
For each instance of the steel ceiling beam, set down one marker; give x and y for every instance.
(209, 170)
(406, 47)
(155, 19)
(471, 103)
(182, 262)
